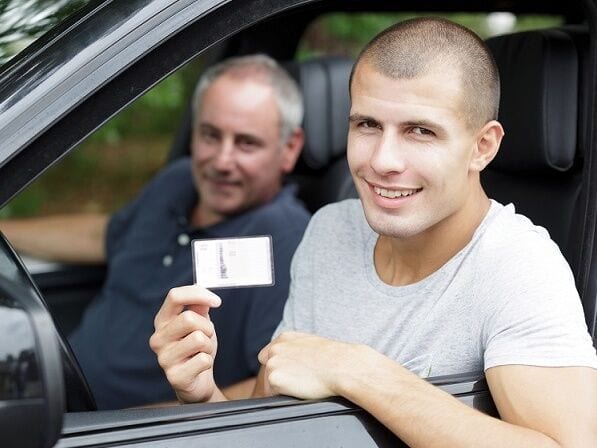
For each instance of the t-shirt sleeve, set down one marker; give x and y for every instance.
(538, 317)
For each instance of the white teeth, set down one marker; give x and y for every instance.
(393, 193)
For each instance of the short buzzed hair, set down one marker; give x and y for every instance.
(413, 48)
(262, 68)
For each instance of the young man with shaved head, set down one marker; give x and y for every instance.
(424, 276)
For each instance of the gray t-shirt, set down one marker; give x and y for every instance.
(508, 297)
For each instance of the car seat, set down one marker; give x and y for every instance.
(322, 171)
(541, 165)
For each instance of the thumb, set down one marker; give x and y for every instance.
(212, 301)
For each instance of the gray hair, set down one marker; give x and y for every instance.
(287, 94)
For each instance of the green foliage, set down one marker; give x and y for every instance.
(155, 113)
(95, 178)
(27, 204)
(347, 33)
(525, 23)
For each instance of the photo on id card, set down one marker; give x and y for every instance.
(233, 262)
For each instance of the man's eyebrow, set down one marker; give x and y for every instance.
(206, 127)
(423, 123)
(361, 117)
(252, 137)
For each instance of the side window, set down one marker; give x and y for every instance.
(111, 166)
(344, 34)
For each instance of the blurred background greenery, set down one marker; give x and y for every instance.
(112, 165)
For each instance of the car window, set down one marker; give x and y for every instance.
(345, 34)
(111, 166)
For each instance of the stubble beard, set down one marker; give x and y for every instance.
(393, 226)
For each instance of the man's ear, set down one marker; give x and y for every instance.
(487, 144)
(292, 149)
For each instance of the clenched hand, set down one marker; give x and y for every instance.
(306, 366)
(185, 342)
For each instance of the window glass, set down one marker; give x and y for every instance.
(344, 34)
(110, 167)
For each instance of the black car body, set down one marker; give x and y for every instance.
(73, 79)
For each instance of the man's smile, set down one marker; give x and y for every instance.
(392, 193)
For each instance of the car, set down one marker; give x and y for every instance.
(70, 81)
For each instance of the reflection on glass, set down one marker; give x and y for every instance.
(19, 373)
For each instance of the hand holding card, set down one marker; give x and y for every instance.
(233, 262)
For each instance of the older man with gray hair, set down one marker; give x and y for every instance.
(246, 136)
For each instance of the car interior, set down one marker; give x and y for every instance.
(539, 167)
(542, 166)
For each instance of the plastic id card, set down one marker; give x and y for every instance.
(233, 262)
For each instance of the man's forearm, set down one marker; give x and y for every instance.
(65, 238)
(217, 396)
(423, 415)
(241, 390)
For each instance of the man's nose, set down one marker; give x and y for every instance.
(225, 157)
(389, 155)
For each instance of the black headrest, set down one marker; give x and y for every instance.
(538, 107)
(324, 82)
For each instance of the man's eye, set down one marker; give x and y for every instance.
(209, 136)
(422, 131)
(369, 124)
(247, 144)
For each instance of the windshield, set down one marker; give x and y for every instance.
(23, 21)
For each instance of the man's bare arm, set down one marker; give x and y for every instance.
(78, 238)
(540, 416)
(238, 391)
(241, 390)
(540, 407)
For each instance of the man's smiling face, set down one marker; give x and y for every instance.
(410, 150)
(238, 154)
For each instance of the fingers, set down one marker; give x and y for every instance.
(185, 341)
(301, 365)
(182, 376)
(181, 334)
(181, 325)
(264, 355)
(187, 348)
(275, 376)
(266, 352)
(197, 298)
(178, 328)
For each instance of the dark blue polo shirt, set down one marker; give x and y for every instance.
(148, 251)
